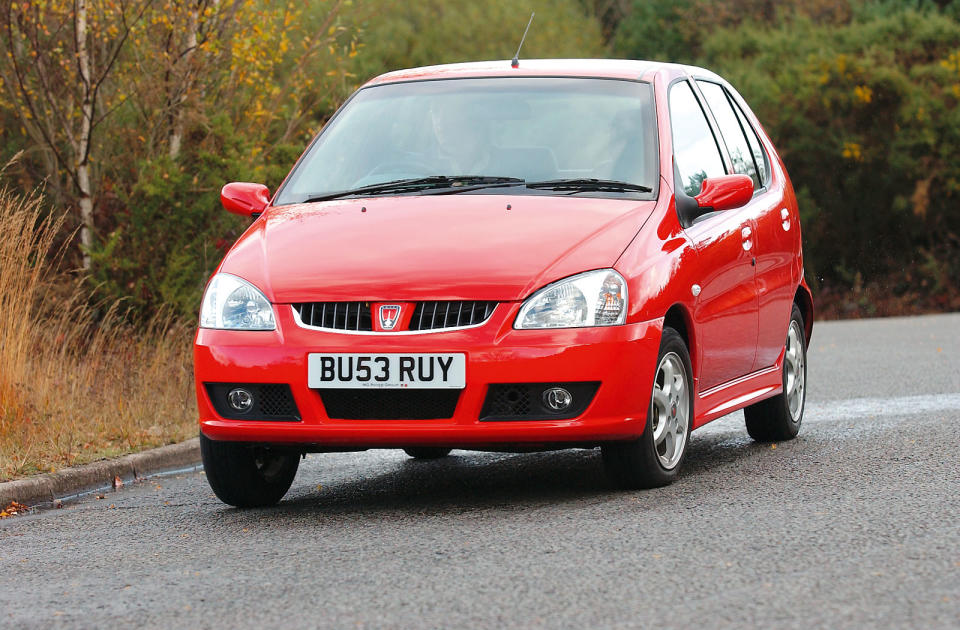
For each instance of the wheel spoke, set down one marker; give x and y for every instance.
(791, 361)
(666, 369)
(661, 401)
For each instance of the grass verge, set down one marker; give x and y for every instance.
(78, 383)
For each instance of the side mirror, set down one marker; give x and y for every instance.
(724, 193)
(247, 200)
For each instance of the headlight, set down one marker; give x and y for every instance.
(594, 298)
(233, 303)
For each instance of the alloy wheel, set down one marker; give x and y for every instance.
(670, 410)
(795, 368)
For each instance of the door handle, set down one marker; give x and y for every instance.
(746, 232)
(785, 217)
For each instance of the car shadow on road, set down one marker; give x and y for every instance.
(464, 480)
(470, 480)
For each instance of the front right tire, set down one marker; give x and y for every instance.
(246, 475)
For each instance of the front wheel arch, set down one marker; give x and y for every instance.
(678, 318)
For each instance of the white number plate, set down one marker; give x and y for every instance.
(379, 371)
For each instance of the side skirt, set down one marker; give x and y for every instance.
(739, 393)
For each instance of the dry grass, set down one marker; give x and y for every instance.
(76, 382)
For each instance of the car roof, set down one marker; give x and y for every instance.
(599, 68)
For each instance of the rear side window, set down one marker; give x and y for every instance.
(759, 155)
(733, 132)
(694, 146)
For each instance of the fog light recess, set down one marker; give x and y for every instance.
(253, 401)
(537, 401)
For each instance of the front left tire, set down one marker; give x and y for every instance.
(247, 476)
(655, 458)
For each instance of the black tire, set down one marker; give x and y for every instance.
(427, 452)
(772, 420)
(247, 476)
(637, 464)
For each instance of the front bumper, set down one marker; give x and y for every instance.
(621, 358)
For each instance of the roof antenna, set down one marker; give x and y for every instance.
(516, 58)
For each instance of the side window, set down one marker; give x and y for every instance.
(732, 131)
(759, 155)
(694, 147)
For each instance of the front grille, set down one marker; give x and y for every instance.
(358, 316)
(271, 401)
(336, 315)
(389, 404)
(432, 315)
(524, 401)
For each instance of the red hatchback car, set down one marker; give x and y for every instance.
(562, 254)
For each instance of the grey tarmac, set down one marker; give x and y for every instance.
(854, 524)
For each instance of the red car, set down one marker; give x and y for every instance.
(561, 254)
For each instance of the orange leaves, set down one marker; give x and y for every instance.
(13, 509)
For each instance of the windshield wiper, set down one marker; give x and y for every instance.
(455, 184)
(589, 185)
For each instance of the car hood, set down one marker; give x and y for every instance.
(440, 247)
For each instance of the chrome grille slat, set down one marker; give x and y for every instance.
(358, 316)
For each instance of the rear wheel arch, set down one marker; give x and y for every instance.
(804, 300)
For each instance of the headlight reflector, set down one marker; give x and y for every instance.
(594, 298)
(233, 303)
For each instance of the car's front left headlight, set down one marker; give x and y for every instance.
(594, 298)
(232, 303)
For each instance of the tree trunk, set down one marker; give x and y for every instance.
(180, 86)
(86, 213)
(82, 147)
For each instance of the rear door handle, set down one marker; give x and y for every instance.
(785, 218)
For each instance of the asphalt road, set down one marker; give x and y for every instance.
(854, 524)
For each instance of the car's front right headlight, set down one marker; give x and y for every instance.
(232, 303)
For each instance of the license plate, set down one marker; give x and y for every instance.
(381, 371)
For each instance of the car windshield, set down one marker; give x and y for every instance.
(481, 134)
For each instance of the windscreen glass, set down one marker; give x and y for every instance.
(533, 129)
